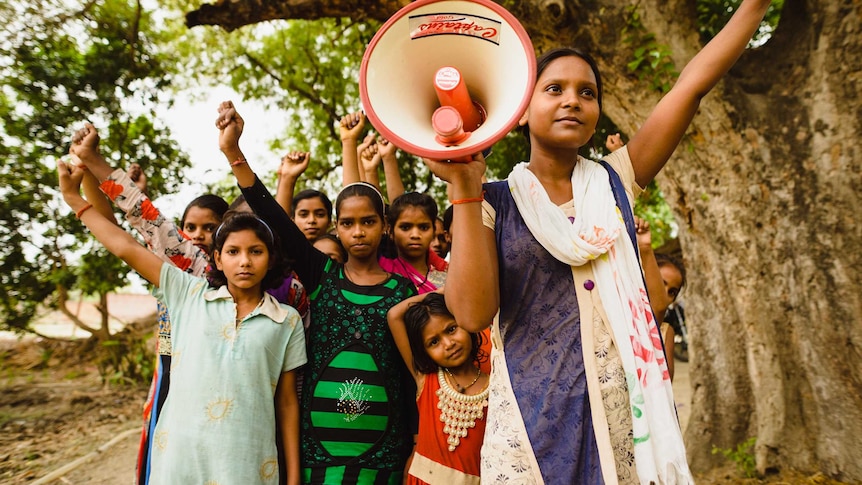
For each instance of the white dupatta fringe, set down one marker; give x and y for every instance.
(598, 236)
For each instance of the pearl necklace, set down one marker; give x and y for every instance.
(458, 411)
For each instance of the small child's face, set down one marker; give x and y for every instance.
(330, 248)
(447, 344)
(413, 233)
(244, 259)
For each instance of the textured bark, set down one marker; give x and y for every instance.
(765, 186)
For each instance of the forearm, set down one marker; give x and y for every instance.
(96, 164)
(392, 174)
(96, 197)
(472, 282)
(349, 162)
(284, 193)
(117, 241)
(372, 177)
(160, 233)
(718, 56)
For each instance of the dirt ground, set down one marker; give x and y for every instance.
(55, 412)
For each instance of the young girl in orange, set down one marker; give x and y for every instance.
(451, 369)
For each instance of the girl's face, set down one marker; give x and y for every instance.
(359, 227)
(447, 344)
(413, 233)
(672, 280)
(244, 259)
(564, 109)
(440, 243)
(330, 248)
(311, 217)
(199, 225)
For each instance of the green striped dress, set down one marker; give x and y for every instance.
(356, 415)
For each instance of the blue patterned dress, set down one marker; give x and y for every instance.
(541, 328)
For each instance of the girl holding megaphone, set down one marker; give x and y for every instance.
(580, 391)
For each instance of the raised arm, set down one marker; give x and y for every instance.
(160, 233)
(651, 147)
(391, 172)
(658, 298)
(293, 165)
(308, 262)
(369, 162)
(349, 128)
(395, 317)
(115, 240)
(473, 281)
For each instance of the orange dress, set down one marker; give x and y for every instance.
(433, 463)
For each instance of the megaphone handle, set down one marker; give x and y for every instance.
(452, 91)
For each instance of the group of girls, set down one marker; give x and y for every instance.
(576, 389)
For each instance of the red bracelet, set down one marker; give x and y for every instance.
(82, 210)
(468, 201)
(238, 161)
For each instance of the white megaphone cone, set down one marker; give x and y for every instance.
(444, 79)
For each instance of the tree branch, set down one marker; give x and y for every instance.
(231, 15)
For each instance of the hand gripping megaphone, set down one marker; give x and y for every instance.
(444, 79)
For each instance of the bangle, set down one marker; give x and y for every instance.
(468, 201)
(238, 161)
(82, 210)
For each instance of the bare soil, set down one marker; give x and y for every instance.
(55, 409)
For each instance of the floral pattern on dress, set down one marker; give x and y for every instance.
(615, 398)
(507, 455)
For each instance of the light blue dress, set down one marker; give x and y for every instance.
(218, 422)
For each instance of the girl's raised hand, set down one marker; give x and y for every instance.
(370, 158)
(294, 164)
(70, 182)
(458, 172)
(85, 143)
(644, 235)
(230, 125)
(351, 125)
(384, 147)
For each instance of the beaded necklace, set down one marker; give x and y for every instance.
(458, 411)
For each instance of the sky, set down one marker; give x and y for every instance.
(192, 123)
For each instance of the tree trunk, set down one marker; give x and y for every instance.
(765, 187)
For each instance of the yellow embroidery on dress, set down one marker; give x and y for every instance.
(228, 332)
(161, 440)
(176, 357)
(219, 409)
(269, 469)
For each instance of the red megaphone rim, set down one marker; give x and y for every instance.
(445, 153)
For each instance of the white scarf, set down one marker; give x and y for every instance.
(598, 237)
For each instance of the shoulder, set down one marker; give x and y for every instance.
(494, 191)
(621, 162)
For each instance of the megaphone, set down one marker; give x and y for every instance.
(444, 79)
